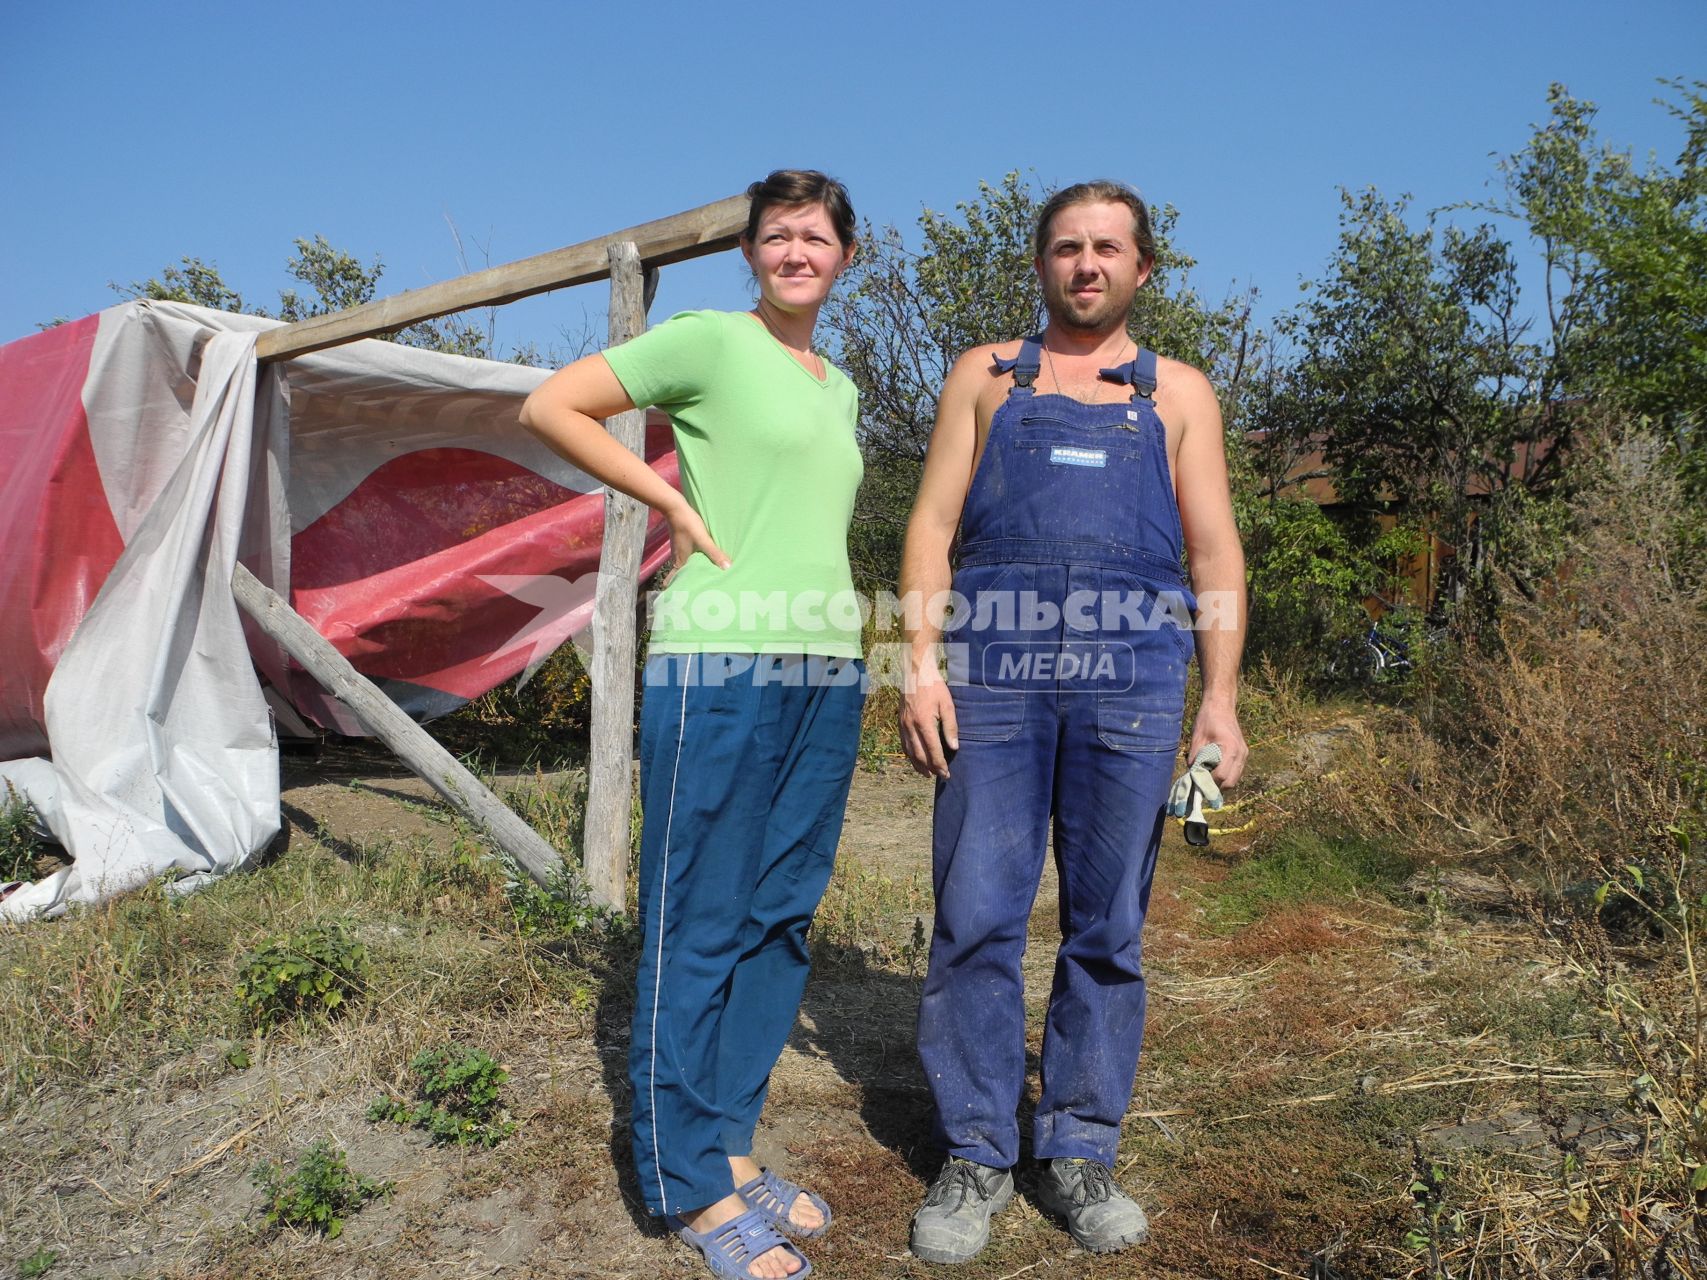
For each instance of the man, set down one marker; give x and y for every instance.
(1078, 470)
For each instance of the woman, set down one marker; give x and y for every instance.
(750, 721)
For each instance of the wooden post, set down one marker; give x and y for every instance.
(708, 229)
(385, 720)
(604, 846)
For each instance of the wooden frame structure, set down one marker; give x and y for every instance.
(629, 259)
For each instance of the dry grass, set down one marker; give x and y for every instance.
(1322, 1038)
(120, 1020)
(1567, 765)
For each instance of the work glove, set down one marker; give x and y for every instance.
(1194, 790)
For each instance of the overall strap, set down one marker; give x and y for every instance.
(1025, 365)
(1140, 372)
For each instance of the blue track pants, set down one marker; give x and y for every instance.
(745, 767)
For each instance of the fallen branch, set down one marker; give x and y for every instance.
(202, 1161)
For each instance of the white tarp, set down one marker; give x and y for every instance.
(163, 752)
(388, 493)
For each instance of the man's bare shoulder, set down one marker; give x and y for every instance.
(982, 359)
(1178, 376)
(1185, 394)
(976, 381)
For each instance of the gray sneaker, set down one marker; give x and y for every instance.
(1100, 1216)
(953, 1224)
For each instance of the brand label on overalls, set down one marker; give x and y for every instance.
(1065, 456)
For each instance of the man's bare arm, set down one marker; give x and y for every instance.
(927, 711)
(1217, 570)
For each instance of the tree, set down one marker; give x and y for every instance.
(1413, 373)
(1308, 572)
(1434, 392)
(337, 281)
(1625, 251)
(193, 281)
(1626, 256)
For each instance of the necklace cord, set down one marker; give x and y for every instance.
(781, 342)
(1056, 378)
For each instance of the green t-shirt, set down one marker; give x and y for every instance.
(770, 461)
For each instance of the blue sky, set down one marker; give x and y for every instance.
(138, 132)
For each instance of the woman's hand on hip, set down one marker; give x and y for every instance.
(688, 534)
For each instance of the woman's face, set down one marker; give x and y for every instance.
(796, 256)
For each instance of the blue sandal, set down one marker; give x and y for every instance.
(729, 1250)
(773, 1197)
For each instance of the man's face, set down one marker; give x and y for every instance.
(1090, 267)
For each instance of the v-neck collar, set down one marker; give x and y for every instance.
(772, 341)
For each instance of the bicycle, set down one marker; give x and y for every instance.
(1378, 656)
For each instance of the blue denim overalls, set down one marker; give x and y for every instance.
(1068, 665)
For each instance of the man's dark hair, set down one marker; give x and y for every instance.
(1099, 191)
(791, 187)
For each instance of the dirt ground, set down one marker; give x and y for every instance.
(1290, 1062)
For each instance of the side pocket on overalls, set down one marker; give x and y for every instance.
(1145, 713)
(987, 707)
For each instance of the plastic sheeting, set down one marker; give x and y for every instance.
(163, 756)
(388, 492)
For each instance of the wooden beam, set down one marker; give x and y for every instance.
(711, 228)
(383, 718)
(604, 845)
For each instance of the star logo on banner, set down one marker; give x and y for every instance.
(565, 613)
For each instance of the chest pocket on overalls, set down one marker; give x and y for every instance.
(1086, 482)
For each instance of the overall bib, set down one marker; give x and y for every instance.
(1068, 668)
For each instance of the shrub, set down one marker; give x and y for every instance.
(1579, 728)
(457, 1098)
(18, 842)
(318, 1194)
(1567, 745)
(535, 721)
(562, 906)
(311, 974)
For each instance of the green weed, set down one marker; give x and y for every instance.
(457, 1098)
(869, 913)
(18, 842)
(1436, 1226)
(1305, 864)
(876, 748)
(562, 906)
(469, 866)
(318, 1194)
(879, 730)
(311, 974)
(556, 807)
